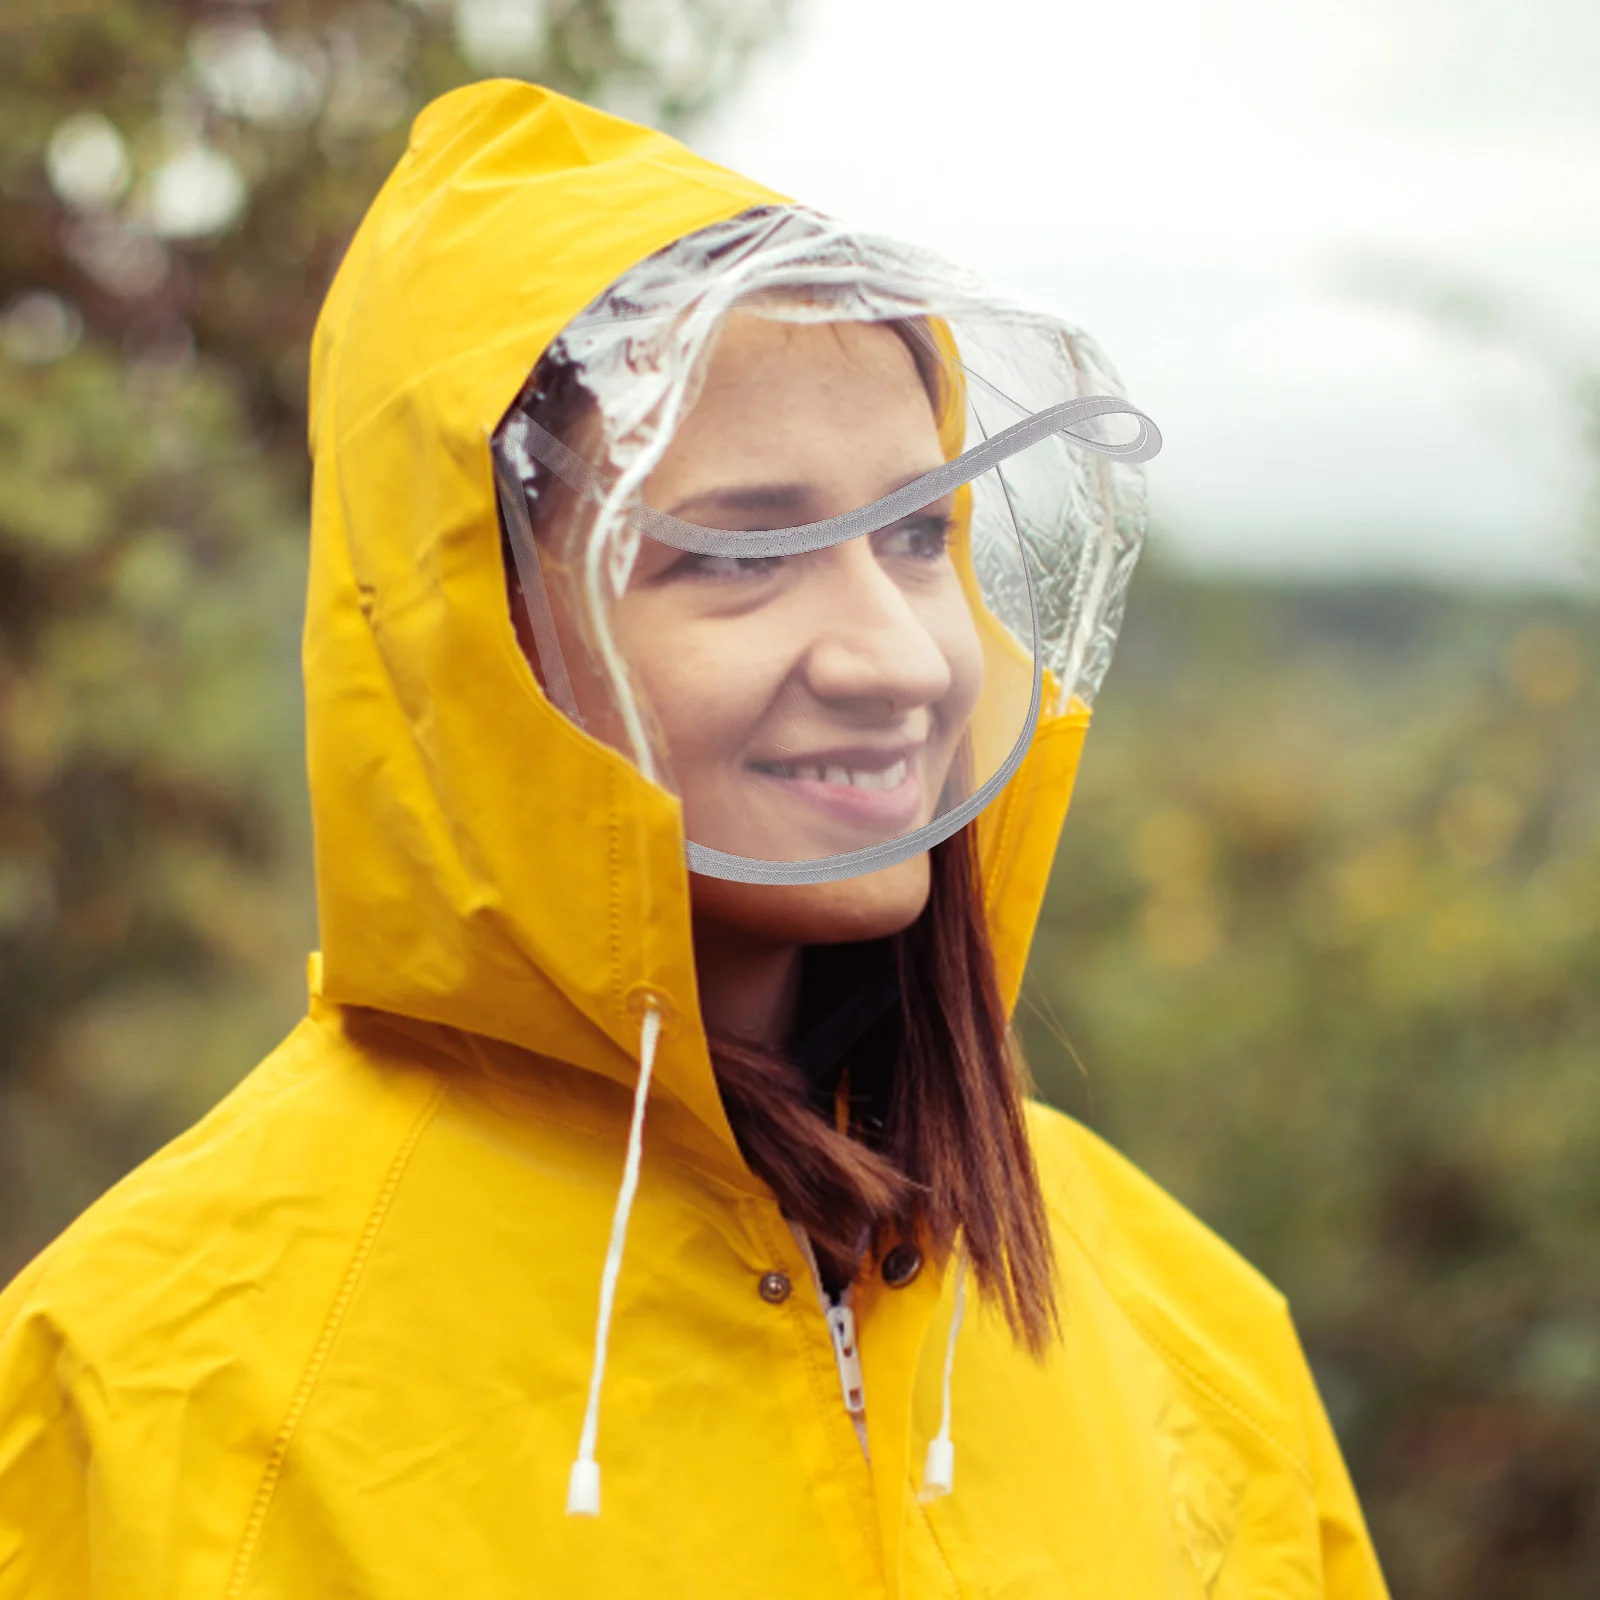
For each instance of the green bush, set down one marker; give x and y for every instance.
(1322, 953)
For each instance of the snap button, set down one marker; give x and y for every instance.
(901, 1265)
(774, 1287)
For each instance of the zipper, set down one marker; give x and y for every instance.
(841, 1320)
(842, 1327)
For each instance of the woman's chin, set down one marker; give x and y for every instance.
(872, 906)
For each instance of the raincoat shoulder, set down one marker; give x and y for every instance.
(1245, 1417)
(149, 1356)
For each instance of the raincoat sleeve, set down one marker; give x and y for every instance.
(44, 1466)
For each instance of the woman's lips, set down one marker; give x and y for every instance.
(876, 790)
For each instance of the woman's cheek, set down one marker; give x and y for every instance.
(963, 650)
(709, 705)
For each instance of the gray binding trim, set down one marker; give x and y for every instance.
(577, 474)
(535, 597)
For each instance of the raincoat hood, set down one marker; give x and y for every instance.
(480, 861)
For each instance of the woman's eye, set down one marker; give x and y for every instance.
(694, 564)
(922, 538)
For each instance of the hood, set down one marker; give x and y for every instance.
(481, 862)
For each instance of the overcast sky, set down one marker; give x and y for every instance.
(1214, 190)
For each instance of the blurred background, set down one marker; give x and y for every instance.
(1322, 949)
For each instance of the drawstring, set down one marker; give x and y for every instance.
(939, 1471)
(583, 1487)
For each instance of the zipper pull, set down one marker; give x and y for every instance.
(842, 1327)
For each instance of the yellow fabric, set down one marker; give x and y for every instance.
(334, 1341)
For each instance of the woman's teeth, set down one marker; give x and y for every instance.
(855, 777)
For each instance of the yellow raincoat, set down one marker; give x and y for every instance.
(335, 1340)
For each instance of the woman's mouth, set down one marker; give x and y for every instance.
(879, 790)
(890, 777)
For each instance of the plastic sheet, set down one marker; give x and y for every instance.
(912, 511)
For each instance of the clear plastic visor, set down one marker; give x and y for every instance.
(808, 646)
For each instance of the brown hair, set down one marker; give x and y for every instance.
(936, 1142)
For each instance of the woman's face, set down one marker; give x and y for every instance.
(812, 704)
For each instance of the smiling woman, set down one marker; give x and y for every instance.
(793, 637)
(656, 1105)
(809, 705)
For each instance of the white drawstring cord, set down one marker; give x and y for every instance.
(583, 1486)
(939, 1470)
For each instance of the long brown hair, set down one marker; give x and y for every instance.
(952, 1153)
(936, 1142)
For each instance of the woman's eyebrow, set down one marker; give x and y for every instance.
(774, 499)
(744, 499)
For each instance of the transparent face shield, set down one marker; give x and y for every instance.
(814, 531)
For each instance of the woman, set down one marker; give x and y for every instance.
(703, 611)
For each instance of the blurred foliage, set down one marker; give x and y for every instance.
(178, 180)
(1322, 953)
(187, 173)
(151, 572)
(1323, 947)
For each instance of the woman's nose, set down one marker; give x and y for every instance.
(872, 649)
